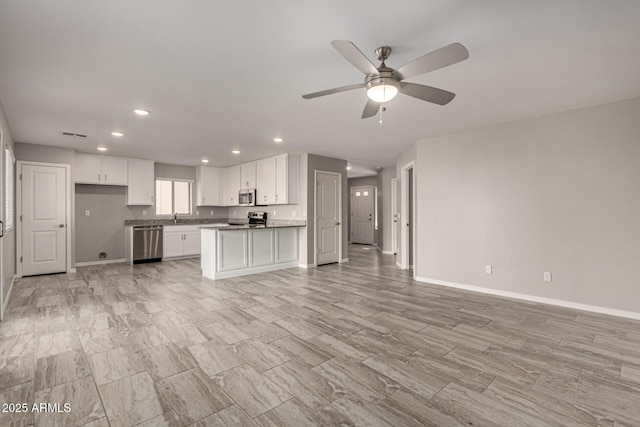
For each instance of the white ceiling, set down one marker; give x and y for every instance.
(223, 75)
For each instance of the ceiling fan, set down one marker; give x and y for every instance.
(383, 83)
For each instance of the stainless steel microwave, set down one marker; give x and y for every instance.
(247, 197)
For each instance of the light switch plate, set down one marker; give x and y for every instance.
(546, 276)
(487, 269)
(87, 213)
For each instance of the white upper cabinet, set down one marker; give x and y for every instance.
(208, 186)
(105, 170)
(141, 182)
(286, 168)
(248, 175)
(266, 181)
(230, 185)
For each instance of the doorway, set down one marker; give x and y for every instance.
(362, 215)
(328, 216)
(408, 227)
(43, 237)
(394, 216)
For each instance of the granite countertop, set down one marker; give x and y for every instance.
(181, 221)
(249, 227)
(218, 222)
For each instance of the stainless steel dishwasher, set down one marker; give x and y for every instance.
(147, 243)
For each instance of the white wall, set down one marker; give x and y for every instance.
(558, 193)
(9, 239)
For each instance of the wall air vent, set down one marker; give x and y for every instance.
(73, 135)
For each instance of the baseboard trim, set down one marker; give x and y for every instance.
(6, 300)
(344, 260)
(398, 264)
(107, 261)
(533, 298)
(306, 265)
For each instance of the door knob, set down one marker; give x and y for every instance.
(61, 225)
(337, 223)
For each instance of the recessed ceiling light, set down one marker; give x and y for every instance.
(348, 168)
(118, 134)
(278, 139)
(236, 151)
(141, 112)
(205, 160)
(102, 148)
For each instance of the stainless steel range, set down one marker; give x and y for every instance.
(257, 219)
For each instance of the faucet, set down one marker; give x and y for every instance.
(175, 218)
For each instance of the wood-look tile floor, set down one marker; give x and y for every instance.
(353, 344)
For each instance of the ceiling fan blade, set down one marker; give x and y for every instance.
(371, 109)
(427, 93)
(334, 90)
(354, 55)
(439, 58)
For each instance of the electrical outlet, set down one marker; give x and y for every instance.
(197, 212)
(234, 212)
(211, 211)
(144, 212)
(304, 214)
(487, 269)
(274, 213)
(87, 213)
(294, 213)
(546, 276)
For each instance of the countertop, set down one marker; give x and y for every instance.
(248, 227)
(217, 222)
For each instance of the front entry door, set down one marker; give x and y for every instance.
(328, 218)
(44, 228)
(362, 215)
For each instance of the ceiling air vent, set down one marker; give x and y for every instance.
(73, 135)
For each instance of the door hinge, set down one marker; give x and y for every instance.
(20, 218)
(20, 259)
(21, 177)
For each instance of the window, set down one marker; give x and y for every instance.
(9, 176)
(173, 196)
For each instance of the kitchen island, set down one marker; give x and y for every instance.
(229, 251)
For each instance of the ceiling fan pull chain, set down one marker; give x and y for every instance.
(381, 110)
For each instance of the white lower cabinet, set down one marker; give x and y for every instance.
(261, 247)
(232, 249)
(286, 245)
(229, 253)
(181, 241)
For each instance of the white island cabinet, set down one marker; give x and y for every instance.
(236, 252)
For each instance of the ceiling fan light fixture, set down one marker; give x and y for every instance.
(382, 89)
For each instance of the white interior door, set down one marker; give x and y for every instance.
(394, 215)
(327, 218)
(362, 226)
(44, 213)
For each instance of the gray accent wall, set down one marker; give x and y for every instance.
(103, 230)
(9, 239)
(327, 164)
(559, 193)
